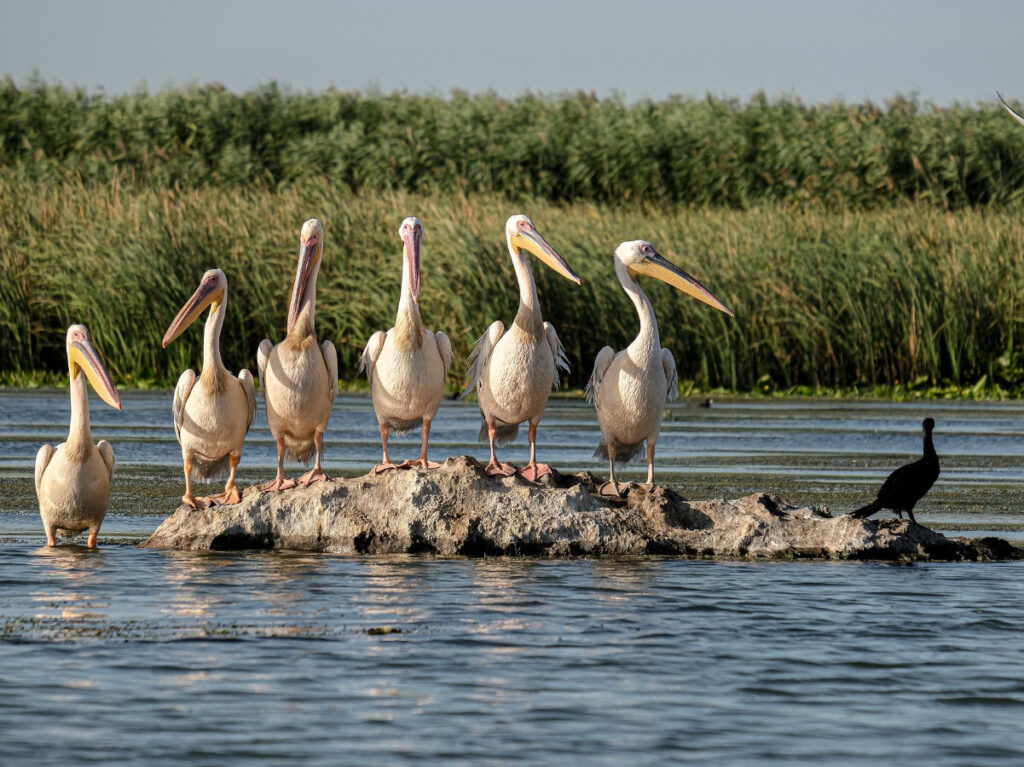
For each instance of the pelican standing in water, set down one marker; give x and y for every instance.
(407, 364)
(514, 372)
(300, 377)
(629, 388)
(211, 419)
(73, 479)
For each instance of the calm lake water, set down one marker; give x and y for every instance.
(124, 655)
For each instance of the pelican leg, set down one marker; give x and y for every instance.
(611, 487)
(494, 468)
(423, 461)
(189, 499)
(533, 470)
(317, 473)
(51, 535)
(385, 463)
(279, 482)
(650, 465)
(93, 532)
(231, 492)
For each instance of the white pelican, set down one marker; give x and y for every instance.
(299, 377)
(407, 364)
(212, 419)
(513, 372)
(73, 480)
(629, 388)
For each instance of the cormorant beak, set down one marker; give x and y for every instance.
(1007, 107)
(309, 255)
(661, 268)
(412, 238)
(83, 355)
(532, 241)
(209, 292)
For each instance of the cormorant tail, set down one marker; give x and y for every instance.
(866, 511)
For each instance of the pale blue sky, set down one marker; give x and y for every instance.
(944, 51)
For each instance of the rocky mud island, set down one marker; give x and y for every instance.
(458, 510)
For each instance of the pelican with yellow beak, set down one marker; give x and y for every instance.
(73, 479)
(407, 364)
(629, 388)
(514, 372)
(299, 377)
(211, 419)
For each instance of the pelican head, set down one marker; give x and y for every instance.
(211, 291)
(82, 356)
(641, 257)
(523, 235)
(311, 248)
(411, 232)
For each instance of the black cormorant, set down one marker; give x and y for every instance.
(908, 484)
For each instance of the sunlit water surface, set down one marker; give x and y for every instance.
(124, 655)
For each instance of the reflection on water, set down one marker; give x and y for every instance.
(407, 660)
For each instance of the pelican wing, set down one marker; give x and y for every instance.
(249, 387)
(181, 392)
(42, 461)
(669, 363)
(262, 358)
(107, 454)
(561, 361)
(601, 362)
(481, 353)
(444, 348)
(372, 352)
(331, 360)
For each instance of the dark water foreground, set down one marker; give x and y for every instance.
(125, 655)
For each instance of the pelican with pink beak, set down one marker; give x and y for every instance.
(407, 364)
(73, 479)
(212, 412)
(513, 372)
(299, 377)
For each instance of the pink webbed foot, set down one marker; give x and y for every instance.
(534, 471)
(196, 503)
(380, 468)
(420, 462)
(614, 489)
(280, 483)
(228, 497)
(495, 469)
(315, 475)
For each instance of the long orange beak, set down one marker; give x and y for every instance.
(412, 250)
(207, 293)
(532, 241)
(661, 268)
(83, 355)
(309, 254)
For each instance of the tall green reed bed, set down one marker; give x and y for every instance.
(567, 148)
(823, 299)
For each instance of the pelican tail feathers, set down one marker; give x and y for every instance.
(204, 470)
(623, 453)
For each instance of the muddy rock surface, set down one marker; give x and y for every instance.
(458, 510)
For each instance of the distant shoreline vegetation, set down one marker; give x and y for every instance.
(573, 147)
(866, 251)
